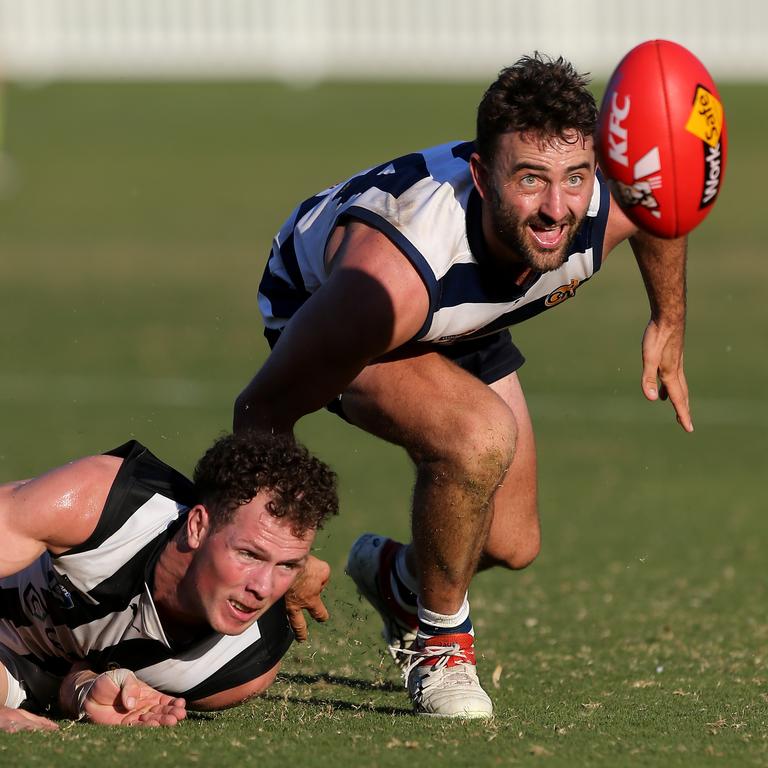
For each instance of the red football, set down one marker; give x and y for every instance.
(662, 139)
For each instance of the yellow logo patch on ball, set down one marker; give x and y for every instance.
(706, 118)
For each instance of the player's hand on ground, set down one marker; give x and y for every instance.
(15, 720)
(118, 697)
(663, 374)
(305, 595)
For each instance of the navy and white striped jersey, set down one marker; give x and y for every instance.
(426, 204)
(94, 602)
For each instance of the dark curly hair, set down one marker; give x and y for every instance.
(538, 96)
(238, 466)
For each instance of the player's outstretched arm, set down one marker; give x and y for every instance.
(118, 697)
(662, 264)
(15, 720)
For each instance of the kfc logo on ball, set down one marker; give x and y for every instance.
(617, 133)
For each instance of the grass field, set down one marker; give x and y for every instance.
(133, 232)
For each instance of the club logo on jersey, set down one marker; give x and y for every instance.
(617, 133)
(59, 590)
(34, 603)
(647, 178)
(562, 293)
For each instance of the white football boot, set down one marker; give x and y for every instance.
(370, 563)
(441, 677)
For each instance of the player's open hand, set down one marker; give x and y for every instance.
(118, 697)
(15, 720)
(305, 595)
(663, 374)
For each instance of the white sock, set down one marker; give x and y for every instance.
(432, 623)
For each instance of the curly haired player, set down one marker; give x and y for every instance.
(129, 593)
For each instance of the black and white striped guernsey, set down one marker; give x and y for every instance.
(94, 602)
(426, 204)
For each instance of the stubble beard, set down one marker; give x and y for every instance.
(513, 233)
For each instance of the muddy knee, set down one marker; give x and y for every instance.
(474, 449)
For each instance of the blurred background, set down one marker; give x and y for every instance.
(310, 40)
(150, 149)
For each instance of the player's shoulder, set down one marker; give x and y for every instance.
(97, 470)
(60, 508)
(445, 162)
(459, 150)
(86, 482)
(439, 163)
(74, 478)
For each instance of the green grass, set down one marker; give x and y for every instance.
(132, 239)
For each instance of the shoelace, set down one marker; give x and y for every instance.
(443, 652)
(399, 653)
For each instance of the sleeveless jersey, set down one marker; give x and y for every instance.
(426, 204)
(94, 602)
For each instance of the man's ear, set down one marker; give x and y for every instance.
(198, 526)
(480, 175)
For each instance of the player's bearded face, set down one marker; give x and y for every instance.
(537, 193)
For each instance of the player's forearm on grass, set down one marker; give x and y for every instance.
(662, 264)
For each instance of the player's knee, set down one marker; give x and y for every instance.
(477, 447)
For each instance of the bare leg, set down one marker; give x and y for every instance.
(514, 539)
(461, 436)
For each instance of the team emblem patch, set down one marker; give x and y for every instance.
(562, 293)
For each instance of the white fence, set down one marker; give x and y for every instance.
(389, 39)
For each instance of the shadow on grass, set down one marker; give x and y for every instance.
(348, 682)
(339, 704)
(199, 714)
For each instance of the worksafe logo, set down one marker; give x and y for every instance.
(706, 118)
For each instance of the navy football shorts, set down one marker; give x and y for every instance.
(489, 358)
